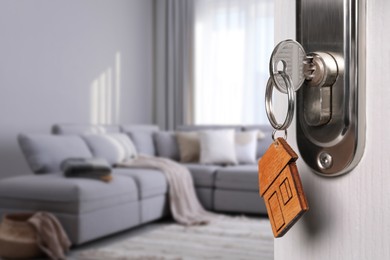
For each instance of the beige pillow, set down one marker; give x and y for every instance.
(189, 146)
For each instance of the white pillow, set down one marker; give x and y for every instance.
(217, 147)
(246, 147)
(127, 145)
(260, 135)
(106, 147)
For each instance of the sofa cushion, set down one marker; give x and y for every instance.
(189, 146)
(246, 147)
(239, 201)
(143, 142)
(166, 145)
(203, 175)
(126, 143)
(45, 153)
(55, 193)
(150, 182)
(217, 147)
(142, 137)
(142, 128)
(77, 129)
(106, 147)
(240, 177)
(265, 140)
(185, 128)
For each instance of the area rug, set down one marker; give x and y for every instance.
(225, 238)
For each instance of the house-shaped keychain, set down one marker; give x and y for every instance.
(281, 187)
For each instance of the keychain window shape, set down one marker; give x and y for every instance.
(279, 181)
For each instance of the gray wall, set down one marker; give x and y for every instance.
(72, 61)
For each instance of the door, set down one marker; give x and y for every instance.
(349, 216)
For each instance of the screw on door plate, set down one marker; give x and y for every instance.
(325, 160)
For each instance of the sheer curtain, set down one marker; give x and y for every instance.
(233, 43)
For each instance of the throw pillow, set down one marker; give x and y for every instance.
(143, 141)
(166, 145)
(45, 153)
(127, 144)
(246, 147)
(217, 147)
(106, 147)
(260, 135)
(189, 146)
(263, 143)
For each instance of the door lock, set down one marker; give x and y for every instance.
(321, 71)
(330, 83)
(318, 70)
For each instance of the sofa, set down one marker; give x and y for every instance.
(90, 209)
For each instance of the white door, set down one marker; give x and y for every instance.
(349, 216)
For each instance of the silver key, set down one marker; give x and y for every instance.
(319, 69)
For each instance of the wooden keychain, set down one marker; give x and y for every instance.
(279, 181)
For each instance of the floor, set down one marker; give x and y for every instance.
(72, 255)
(124, 235)
(110, 239)
(115, 238)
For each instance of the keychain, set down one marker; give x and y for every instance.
(279, 181)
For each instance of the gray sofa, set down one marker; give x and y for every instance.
(90, 209)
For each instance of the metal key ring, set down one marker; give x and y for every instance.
(274, 133)
(291, 102)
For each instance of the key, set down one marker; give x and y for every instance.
(281, 187)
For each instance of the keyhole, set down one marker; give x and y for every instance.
(281, 66)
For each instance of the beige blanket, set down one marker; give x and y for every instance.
(185, 206)
(51, 237)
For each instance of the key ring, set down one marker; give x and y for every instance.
(284, 137)
(291, 101)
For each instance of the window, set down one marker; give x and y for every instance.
(233, 43)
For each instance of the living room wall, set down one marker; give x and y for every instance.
(84, 61)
